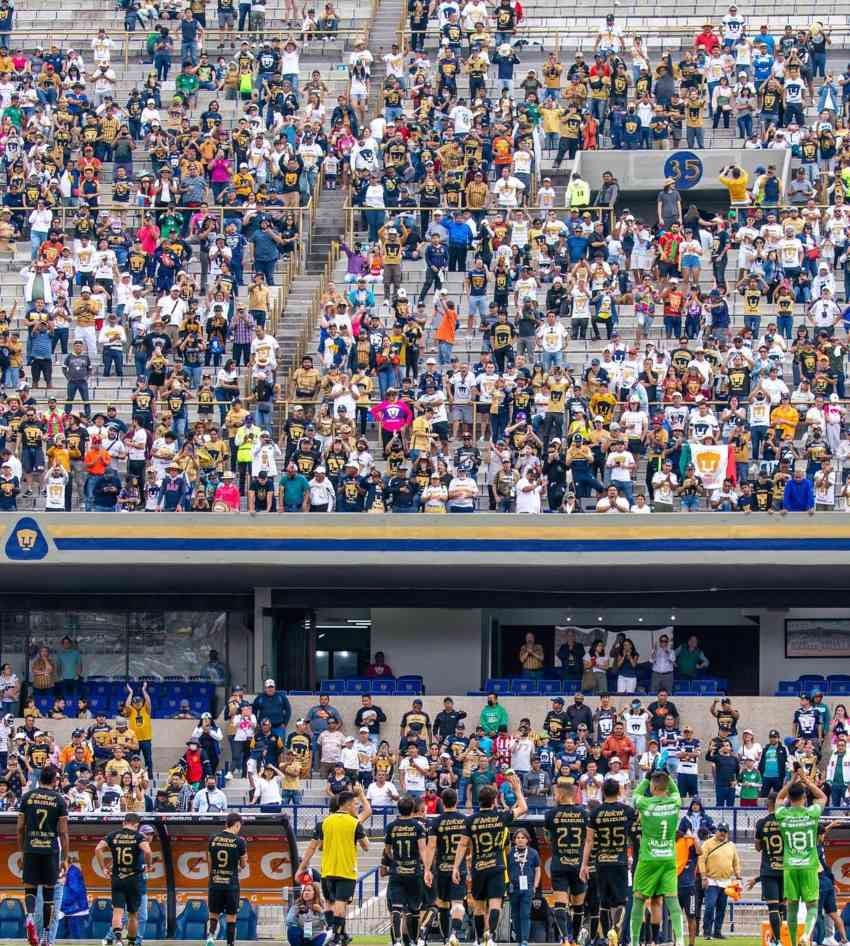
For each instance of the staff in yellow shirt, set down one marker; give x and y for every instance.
(735, 180)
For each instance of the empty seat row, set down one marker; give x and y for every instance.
(836, 684)
(386, 686)
(107, 696)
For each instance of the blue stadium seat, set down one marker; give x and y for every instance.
(811, 681)
(840, 688)
(787, 688)
(12, 917)
(246, 922)
(551, 687)
(408, 686)
(499, 685)
(100, 913)
(383, 685)
(43, 703)
(522, 686)
(301, 692)
(82, 924)
(192, 921)
(838, 678)
(357, 686)
(683, 688)
(332, 687)
(707, 687)
(155, 925)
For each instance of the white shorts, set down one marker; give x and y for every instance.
(251, 766)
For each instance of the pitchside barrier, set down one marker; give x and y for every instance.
(179, 845)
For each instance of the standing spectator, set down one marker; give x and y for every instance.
(578, 714)
(10, 690)
(618, 744)
(662, 665)
(750, 749)
(318, 717)
(690, 659)
(660, 708)
(493, 715)
(807, 721)
(445, 722)
(371, 717)
(537, 784)
(750, 781)
(379, 667)
(531, 657)
(330, 742)
(274, 706)
(216, 672)
(727, 720)
(838, 773)
(210, 799)
(43, 670)
(719, 866)
(137, 709)
(413, 770)
(726, 768)
(688, 772)
(571, 655)
(773, 764)
(69, 670)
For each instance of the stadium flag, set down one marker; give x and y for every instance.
(713, 463)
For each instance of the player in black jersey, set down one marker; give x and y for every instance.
(769, 844)
(227, 854)
(428, 911)
(486, 842)
(131, 856)
(607, 841)
(407, 854)
(566, 830)
(43, 841)
(444, 838)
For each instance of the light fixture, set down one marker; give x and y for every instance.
(599, 618)
(321, 636)
(640, 620)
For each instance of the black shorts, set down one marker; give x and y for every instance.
(771, 888)
(612, 882)
(688, 900)
(41, 869)
(567, 880)
(405, 893)
(488, 884)
(447, 890)
(223, 901)
(429, 894)
(127, 893)
(338, 889)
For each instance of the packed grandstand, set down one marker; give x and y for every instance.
(374, 259)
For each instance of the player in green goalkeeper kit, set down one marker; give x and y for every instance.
(798, 823)
(657, 800)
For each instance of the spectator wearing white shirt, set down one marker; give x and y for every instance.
(210, 799)
(620, 464)
(529, 492)
(663, 661)
(322, 493)
(611, 502)
(508, 190)
(381, 793)
(413, 770)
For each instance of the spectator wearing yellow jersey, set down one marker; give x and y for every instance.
(137, 710)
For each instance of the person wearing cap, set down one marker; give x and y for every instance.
(273, 705)
(719, 867)
(370, 716)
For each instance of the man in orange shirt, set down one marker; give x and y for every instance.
(68, 753)
(95, 461)
(618, 744)
(446, 330)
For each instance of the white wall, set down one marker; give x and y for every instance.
(442, 645)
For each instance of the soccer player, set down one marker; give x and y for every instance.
(338, 837)
(769, 844)
(798, 823)
(566, 829)
(608, 838)
(227, 854)
(131, 857)
(43, 841)
(406, 851)
(657, 801)
(485, 838)
(443, 841)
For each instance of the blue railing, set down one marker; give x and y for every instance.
(368, 885)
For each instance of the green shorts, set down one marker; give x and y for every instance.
(801, 883)
(655, 879)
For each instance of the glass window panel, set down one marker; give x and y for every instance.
(175, 642)
(240, 648)
(101, 637)
(15, 641)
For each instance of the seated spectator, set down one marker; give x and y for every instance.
(378, 667)
(210, 799)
